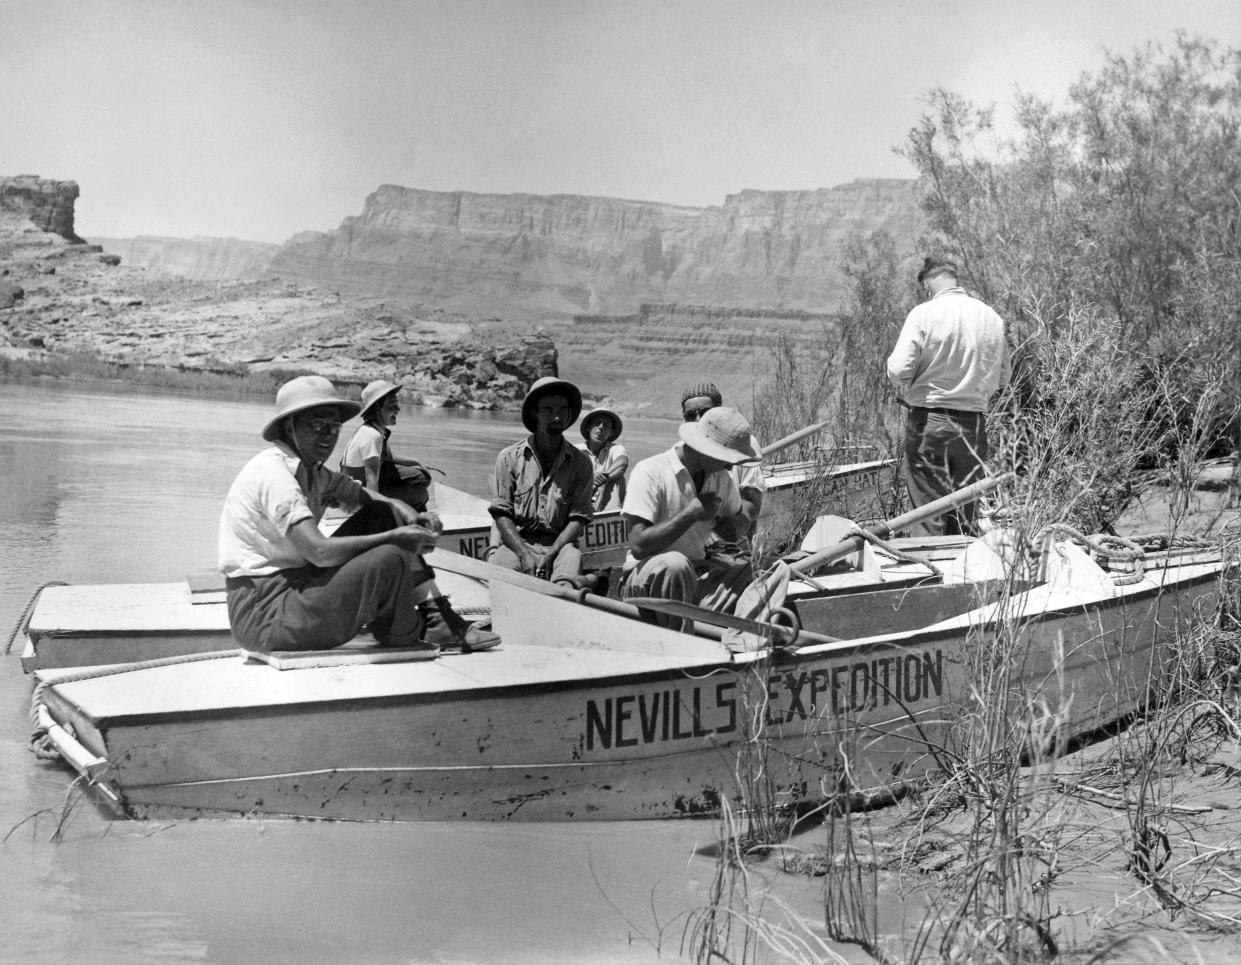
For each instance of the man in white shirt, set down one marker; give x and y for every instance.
(674, 501)
(950, 358)
(289, 586)
(696, 401)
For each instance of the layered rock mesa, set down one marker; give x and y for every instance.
(200, 258)
(46, 204)
(526, 257)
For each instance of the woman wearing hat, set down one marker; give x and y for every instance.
(601, 428)
(368, 457)
(289, 586)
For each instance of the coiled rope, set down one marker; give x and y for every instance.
(42, 744)
(23, 621)
(1106, 549)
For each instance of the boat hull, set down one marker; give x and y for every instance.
(589, 715)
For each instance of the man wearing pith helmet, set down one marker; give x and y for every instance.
(675, 500)
(289, 586)
(543, 486)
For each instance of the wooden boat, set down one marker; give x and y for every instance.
(587, 713)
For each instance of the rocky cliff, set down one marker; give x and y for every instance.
(60, 295)
(201, 258)
(46, 204)
(526, 257)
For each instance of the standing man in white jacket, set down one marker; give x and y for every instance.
(949, 360)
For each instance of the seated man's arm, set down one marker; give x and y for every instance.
(320, 550)
(647, 539)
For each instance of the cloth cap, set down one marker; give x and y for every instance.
(722, 434)
(933, 265)
(375, 392)
(707, 389)
(550, 386)
(594, 415)
(307, 392)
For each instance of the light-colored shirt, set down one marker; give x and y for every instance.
(661, 486)
(541, 505)
(611, 494)
(272, 494)
(951, 354)
(366, 443)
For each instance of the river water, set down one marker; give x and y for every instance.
(106, 485)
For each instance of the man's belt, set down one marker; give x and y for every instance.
(960, 413)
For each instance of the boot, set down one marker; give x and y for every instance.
(446, 628)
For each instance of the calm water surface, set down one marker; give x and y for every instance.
(118, 487)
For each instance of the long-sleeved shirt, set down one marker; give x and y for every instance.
(542, 505)
(951, 354)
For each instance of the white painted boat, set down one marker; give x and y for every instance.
(586, 713)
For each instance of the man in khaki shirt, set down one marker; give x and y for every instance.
(951, 357)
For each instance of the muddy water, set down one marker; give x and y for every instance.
(111, 487)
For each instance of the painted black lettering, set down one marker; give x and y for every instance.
(794, 684)
(599, 723)
(649, 716)
(725, 698)
(837, 673)
(818, 685)
(859, 686)
(913, 677)
(677, 733)
(699, 730)
(933, 669)
(623, 713)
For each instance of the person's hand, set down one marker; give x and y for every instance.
(430, 521)
(731, 528)
(544, 569)
(416, 539)
(531, 560)
(600, 479)
(708, 506)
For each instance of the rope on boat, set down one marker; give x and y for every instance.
(23, 621)
(898, 555)
(1105, 548)
(42, 744)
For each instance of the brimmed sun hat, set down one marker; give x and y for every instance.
(550, 386)
(307, 392)
(722, 434)
(594, 415)
(375, 392)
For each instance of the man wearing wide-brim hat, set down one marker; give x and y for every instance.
(289, 586)
(675, 500)
(543, 487)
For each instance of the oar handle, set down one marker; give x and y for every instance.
(851, 544)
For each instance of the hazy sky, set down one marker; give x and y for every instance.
(260, 118)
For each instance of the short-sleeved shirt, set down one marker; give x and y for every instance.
(273, 493)
(661, 486)
(366, 443)
(542, 505)
(609, 495)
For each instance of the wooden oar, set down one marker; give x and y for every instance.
(793, 437)
(852, 544)
(779, 635)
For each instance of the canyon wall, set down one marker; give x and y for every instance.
(201, 258)
(549, 258)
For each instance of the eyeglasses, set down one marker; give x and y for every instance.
(322, 425)
(693, 415)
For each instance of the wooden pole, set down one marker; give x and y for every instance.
(793, 437)
(852, 544)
